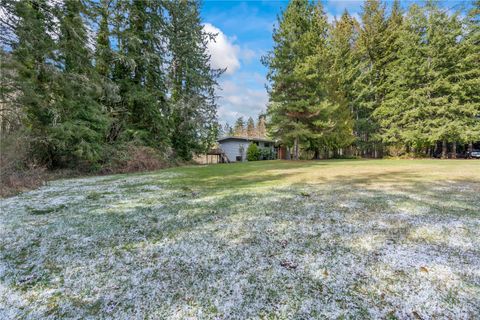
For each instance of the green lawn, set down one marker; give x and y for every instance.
(275, 239)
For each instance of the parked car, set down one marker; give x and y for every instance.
(474, 154)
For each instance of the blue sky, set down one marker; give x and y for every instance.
(245, 34)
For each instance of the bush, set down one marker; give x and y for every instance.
(132, 158)
(253, 152)
(268, 154)
(18, 172)
(395, 151)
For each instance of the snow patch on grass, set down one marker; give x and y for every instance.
(146, 246)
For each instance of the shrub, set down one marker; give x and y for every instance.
(253, 152)
(268, 154)
(18, 172)
(132, 158)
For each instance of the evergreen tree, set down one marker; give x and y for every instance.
(261, 126)
(397, 36)
(192, 80)
(424, 104)
(344, 69)
(400, 114)
(227, 130)
(239, 129)
(33, 72)
(408, 81)
(103, 51)
(139, 72)
(369, 90)
(390, 61)
(444, 115)
(80, 125)
(469, 76)
(250, 127)
(297, 65)
(104, 57)
(343, 73)
(55, 83)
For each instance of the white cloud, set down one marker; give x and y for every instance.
(238, 94)
(248, 54)
(224, 53)
(238, 99)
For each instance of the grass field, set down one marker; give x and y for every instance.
(327, 239)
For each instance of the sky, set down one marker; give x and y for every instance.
(244, 31)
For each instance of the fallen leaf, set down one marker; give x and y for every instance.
(325, 273)
(423, 269)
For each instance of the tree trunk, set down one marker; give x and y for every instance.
(444, 149)
(316, 155)
(470, 147)
(454, 150)
(287, 155)
(295, 149)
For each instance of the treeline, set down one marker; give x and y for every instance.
(246, 129)
(82, 79)
(393, 83)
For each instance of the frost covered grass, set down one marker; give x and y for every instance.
(326, 239)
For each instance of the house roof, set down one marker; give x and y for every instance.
(244, 139)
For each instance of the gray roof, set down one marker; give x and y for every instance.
(244, 139)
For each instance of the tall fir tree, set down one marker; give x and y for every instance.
(80, 126)
(298, 108)
(400, 114)
(444, 114)
(261, 126)
(250, 127)
(34, 73)
(227, 130)
(192, 80)
(469, 76)
(392, 84)
(369, 90)
(104, 60)
(342, 74)
(103, 50)
(139, 71)
(239, 129)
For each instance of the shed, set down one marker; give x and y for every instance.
(235, 148)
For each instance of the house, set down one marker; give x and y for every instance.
(235, 148)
